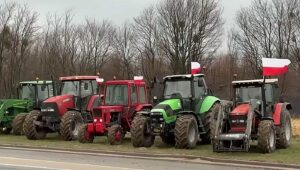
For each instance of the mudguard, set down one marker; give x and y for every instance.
(140, 107)
(207, 103)
(279, 108)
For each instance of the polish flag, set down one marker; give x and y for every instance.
(195, 68)
(274, 66)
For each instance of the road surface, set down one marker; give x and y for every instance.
(19, 159)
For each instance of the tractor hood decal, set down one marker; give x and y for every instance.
(240, 110)
(168, 109)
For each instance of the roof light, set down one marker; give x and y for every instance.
(138, 78)
(99, 80)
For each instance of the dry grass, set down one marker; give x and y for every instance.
(296, 127)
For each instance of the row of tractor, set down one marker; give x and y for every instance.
(187, 114)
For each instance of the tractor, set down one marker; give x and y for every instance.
(122, 100)
(14, 111)
(181, 118)
(64, 113)
(256, 114)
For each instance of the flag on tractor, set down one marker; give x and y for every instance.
(274, 66)
(195, 67)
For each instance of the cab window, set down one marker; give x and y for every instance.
(142, 94)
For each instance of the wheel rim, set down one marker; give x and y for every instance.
(272, 139)
(288, 131)
(118, 135)
(76, 129)
(192, 134)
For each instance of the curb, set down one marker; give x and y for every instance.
(166, 157)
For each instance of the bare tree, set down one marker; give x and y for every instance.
(190, 30)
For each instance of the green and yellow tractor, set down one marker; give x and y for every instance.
(14, 111)
(182, 117)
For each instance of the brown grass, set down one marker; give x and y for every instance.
(296, 127)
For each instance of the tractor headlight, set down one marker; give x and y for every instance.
(7, 112)
(48, 110)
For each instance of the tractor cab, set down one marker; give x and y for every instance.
(263, 93)
(257, 114)
(189, 89)
(36, 91)
(82, 88)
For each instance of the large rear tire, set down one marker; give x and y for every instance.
(266, 136)
(186, 132)
(70, 125)
(210, 124)
(115, 135)
(17, 124)
(284, 131)
(84, 136)
(141, 133)
(31, 130)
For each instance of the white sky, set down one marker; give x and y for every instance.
(117, 11)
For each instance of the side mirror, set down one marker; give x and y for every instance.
(155, 100)
(43, 87)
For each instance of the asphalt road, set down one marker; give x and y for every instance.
(15, 159)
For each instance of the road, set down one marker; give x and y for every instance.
(19, 159)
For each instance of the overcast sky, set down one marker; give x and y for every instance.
(117, 11)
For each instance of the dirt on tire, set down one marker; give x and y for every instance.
(111, 135)
(283, 134)
(210, 124)
(17, 124)
(266, 131)
(138, 136)
(84, 136)
(184, 137)
(31, 131)
(70, 125)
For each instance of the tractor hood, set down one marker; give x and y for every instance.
(240, 110)
(58, 104)
(167, 109)
(6, 103)
(110, 108)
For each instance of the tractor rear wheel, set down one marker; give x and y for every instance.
(284, 131)
(186, 132)
(31, 130)
(141, 132)
(210, 124)
(84, 136)
(17, 124)
(70, 125)
(266, 136)
(115, 134)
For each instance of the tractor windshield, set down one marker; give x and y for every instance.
(71, 88)
(245, 94)
(44, 91)
(28, 91)
(177, 89)
(116, 95)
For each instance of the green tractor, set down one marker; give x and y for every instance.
(183, 116)
(14, 111)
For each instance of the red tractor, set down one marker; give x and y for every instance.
(64, 113)
(258, 114)
(122, 100)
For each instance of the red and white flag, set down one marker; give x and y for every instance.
(274, 66)
(195, 67)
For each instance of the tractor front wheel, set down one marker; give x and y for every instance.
(70, 125)
(266, 136)
(284, 131)
(115, 135)
(186, 132)
(141, 132)
(84, 136)
(31, 130)
(17, 124)
(210, 124)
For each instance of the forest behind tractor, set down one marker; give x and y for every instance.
(122, 100)
(181, 118)
(14, 111)
(257, 114)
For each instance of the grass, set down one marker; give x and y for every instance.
(291, 155)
